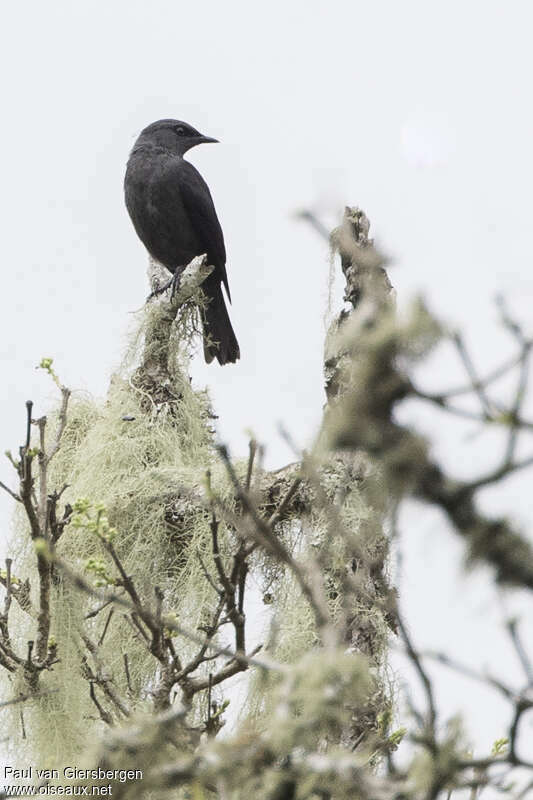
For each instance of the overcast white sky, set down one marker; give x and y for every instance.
(419, 112)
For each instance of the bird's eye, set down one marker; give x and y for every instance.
(180, 130)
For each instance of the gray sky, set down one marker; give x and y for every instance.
(419, 112)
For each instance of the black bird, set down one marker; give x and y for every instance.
(172, 211)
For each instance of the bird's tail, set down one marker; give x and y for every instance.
(220, 341)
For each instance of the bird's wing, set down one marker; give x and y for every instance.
(201, 211)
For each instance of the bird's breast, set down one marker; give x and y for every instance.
(156, 208)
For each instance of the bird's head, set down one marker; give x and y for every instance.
(172, 135)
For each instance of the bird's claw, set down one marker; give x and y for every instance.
(173, 284)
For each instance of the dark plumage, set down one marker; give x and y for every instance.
(172, 211)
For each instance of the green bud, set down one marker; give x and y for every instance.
(500, 746)
(396, 738)
(82, 505)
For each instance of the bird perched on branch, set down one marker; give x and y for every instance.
(173, 213)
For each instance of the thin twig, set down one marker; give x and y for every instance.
(252, 446)
(505, 470)
(511, 627)
(29, 696)
(14, 495)
(127, 671)
(477, 385)
(207, 576)
(106, 626)
(97, 610)
(171, 624)
(104, 715)
(463, 669)
(424, 678)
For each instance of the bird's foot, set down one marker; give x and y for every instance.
(159, 290)
(173, 284)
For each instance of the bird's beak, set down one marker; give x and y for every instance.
(208, 140)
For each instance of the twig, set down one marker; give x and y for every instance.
(491, 377)
(503, 471)
(477, 385)
(65, 395)
(28, 696)
(102, 678)
(106, 626)
(97, 610)
(314, 222)
(252, 446)
(127, 671)
(14, 495)
(200, 656)
(7, 601)
(424, 678)
(122, 601)
(280, 512)
(104, 715)
(463, 669)
(264, 535)
(501, 418)
(29, 408)
(511, 626)
(207, 576)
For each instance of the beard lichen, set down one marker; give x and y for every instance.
(144, 459)
(142, 454)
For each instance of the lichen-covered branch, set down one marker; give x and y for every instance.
(151, 544)
(40, 508)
